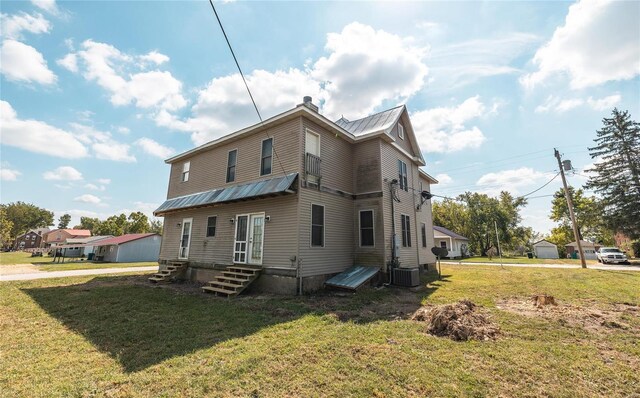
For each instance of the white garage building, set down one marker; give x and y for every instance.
(545, 249)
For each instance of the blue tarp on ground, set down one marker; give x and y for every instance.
(353, 278)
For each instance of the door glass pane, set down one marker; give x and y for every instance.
(256, 245)
(241, 231)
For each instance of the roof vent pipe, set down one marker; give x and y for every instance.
(307, 101)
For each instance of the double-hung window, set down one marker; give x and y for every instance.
(402, 175)
(231, 165)
(267, 156)
(401, 131)
(185, 171)
(317, 226)
(211, 226)
(423, 228)
(406, 230)
(366, 229)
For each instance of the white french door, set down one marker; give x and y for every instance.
(249, 239)
(185, 238)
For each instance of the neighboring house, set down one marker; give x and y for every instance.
(302, 198)
(83, 247)
(589, 249)
(58, 237)
(545, 249)
(128, 248)
(30, 240)
(456, 244)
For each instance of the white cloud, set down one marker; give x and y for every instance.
(105, 181)
(63, 173)
(14, 25)
(154, 148)
(155, 57)
(445, 129)
(366, 67)
(599, 42)
(95, 187)
(36, 136)
(123, 130)
(559, 105)
(49, 6)
(443, 179)
(103, 145)
(604, 103)
(113, 70)
(88, 198)
(511, 180)
(69, 62)
(7, 174)
(21, 62)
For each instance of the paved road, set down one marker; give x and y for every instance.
(599, 266)
(78, 272)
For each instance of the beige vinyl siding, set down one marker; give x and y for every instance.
(366, 167)
(335, 154)
(280, 233)
(208, 169)
(408, 256)
(337, 253)
(424, 215)
(373, 256)
(402, 143)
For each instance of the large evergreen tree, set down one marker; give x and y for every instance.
(616, 174)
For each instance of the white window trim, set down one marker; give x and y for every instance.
(186, 170)
(401, 182)
(273, 143)
(307, 130)
(373, 227)
(401, 131)
(206, 227)
(226, 171)
(324, 227)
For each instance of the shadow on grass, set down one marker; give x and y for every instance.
(141, 325)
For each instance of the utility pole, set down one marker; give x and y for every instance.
(570, 205)
(495, 223)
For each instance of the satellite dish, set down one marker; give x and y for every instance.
(440, 251)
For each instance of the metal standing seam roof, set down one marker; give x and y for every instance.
(371, 124)
(230, 194)
(353, 277)
(448, 232)
(118, 240)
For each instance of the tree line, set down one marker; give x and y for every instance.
(17, 218)
(613, 208)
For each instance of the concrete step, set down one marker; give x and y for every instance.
(219, 290)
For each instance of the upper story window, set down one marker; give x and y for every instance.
(401, 131)
(267, 156)
(402, 175)
(185, 171)
(317, 226)
(211, 226)
(231, 165)
(406, 230)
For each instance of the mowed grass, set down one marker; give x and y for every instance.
(524, 260)
(119, 337)
(46, 263)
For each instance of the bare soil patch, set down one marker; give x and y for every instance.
(461, 321)
(590, 318)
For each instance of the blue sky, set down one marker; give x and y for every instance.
(96, 94)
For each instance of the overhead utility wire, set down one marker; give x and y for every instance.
(548, 182)
(273, 147)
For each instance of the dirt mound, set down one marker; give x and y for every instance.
(460, 321)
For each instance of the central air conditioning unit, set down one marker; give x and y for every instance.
(409, 277)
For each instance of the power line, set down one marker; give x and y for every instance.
(547, 183)
(273, 146)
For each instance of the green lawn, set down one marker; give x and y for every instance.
(46, 263)
(523, 260)
(121, 337)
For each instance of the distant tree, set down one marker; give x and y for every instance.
(155, 226)
(64, 221)
(26, 216)
(114, 225)
(560, 236)
(5, 228)
(138, 223)
(89, 223)
(616, 174)
(589, 214)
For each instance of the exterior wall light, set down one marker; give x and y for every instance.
(267, 218)
(232, 220)
(179, 224)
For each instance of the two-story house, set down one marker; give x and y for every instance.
(31, 240)
(301, 198)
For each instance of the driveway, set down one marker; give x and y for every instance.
(7, 275)
(598, 267)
